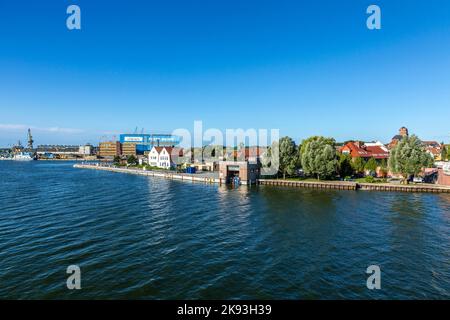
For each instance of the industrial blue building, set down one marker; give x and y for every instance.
(145, 142)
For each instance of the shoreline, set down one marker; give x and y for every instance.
(330, 185)
(356, 186)
(152, 173)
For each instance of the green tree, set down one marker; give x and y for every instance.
(132, 160)
(345, 168)
(371, 165)
(409, 157)
(359, 164)
(116, 160)
(384, 168)
(288, 156)
(329, 141)
(444, 152)
(318, 157)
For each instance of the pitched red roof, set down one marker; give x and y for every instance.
(364, 151)
(355, 150)
(170, 150)
(433, 144)
(433, 151)
(377, 152)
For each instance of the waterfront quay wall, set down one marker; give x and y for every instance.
(152, 173)
(429, 188)
(331, 185)
(345, 185)
(337, 185)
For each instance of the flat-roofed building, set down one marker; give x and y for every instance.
(129, 149)
(110, 149)
(239, 172)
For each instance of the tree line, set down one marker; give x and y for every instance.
(318, 157)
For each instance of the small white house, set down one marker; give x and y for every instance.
(164, 157)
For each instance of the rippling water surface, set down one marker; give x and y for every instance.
(138, 237)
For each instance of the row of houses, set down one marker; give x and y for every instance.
(243, 162)
(236, 171)
(379, 151)
(168, 156)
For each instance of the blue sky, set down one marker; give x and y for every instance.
(305, 67)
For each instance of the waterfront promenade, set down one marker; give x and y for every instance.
(205, 177)
(210, 177)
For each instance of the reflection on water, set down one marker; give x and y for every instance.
(143, 237)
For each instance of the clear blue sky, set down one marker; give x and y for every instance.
(305, 67)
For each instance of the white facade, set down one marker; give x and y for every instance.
(164, 159)
(153, 157)
(161, 157)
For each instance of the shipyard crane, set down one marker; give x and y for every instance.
(30, 140)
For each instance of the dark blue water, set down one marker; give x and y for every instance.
(140, 237)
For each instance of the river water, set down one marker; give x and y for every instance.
(137, 237)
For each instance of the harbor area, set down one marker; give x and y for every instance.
(227, 174)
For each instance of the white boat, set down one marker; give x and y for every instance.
(23, 156)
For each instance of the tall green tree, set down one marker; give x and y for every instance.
(359, 164)
(371, 165)
(329, 141)
(409, 157)
(318, 157)
(288, 156)
(345, 168)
